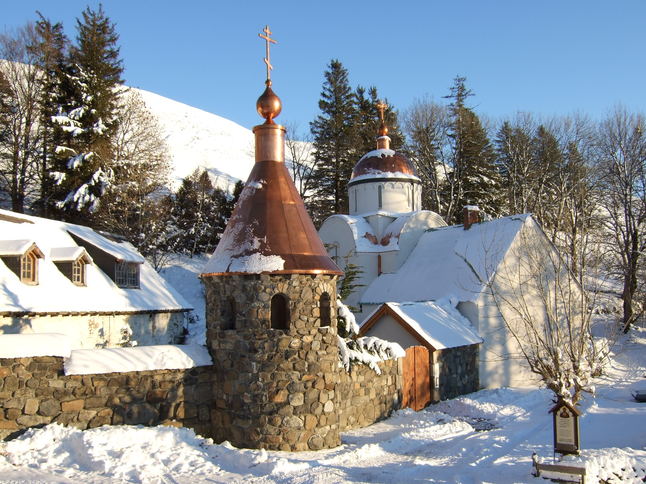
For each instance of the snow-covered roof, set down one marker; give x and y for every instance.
(122, 251)
(448, 262)
(10, 248)
(69, 254)
(32, 344)
(55, 293)
(437, 323)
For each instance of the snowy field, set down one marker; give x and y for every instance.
(488, 436)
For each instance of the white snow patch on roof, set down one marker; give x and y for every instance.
(122, 251)
(14, 247)
(140, 358)
(372, 174)
(448, 262)
(439, 323)
(68, 254)
(381, 152)
(27, 345)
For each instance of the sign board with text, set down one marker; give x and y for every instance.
(566, 427)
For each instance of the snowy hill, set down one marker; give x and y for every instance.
(198, 139)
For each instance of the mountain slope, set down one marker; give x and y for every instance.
(198, 139)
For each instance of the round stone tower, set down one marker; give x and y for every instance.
(271, 310)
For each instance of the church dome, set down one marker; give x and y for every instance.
(383, 163)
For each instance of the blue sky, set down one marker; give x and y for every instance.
(547, 57)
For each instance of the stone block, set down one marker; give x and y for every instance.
(293, 422)
(32, 420)
(49, 408)
(139, 413)
(296, 399)
(328, 407)
(31, 406)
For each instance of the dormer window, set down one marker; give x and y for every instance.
(21, 256)
(127, 274)
(72, 262)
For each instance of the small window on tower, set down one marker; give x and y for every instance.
(229, 314)
(380, 190)
(280, 312)
(324, 308)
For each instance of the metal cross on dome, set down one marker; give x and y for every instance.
(381, 106)
(268, 39)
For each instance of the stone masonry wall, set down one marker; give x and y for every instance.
(458, 371)
(35, 391)
(364, 397)
(278, 386)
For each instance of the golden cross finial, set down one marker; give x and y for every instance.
(381, 106)
(268, 39)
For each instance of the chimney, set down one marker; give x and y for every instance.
(470, 215)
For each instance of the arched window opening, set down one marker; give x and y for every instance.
(324, 308)
(380, 190)
(229, 314)
(280, 312)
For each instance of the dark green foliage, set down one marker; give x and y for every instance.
(50, 47)
(475, 177)
(200, 213)
(367, 122)
(334, 141)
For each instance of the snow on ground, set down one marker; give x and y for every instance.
(487, 436)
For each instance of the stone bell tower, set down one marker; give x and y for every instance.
(271, 309)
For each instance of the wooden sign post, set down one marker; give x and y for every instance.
(566, 427)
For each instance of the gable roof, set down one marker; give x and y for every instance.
(449, 262)
(55, 293)
(69, 254)
(15, 248)
(437, 325)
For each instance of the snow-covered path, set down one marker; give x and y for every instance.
(438, 444)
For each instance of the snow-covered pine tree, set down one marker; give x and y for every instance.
(87, 119)
(200, 213)
(334, 139)
(475, 178)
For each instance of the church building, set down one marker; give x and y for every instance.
(421, 279)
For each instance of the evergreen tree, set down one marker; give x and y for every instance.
(50, 48)
(475, 178)
(334, 140)
(368, 121)
(86, 120)
(514, 150)
(548, 160)
(200, 214)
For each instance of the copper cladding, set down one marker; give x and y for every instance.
(270, 142)
(396, 163)
(271, 214)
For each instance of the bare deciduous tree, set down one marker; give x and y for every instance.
(300, 160)
(622, 163)
(19, 147)
(547, 314)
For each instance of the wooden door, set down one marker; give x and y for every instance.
(417, 378)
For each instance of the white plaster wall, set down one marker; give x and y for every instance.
(397, 196)
(388, 329)
(103, 330)
(502, 363)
